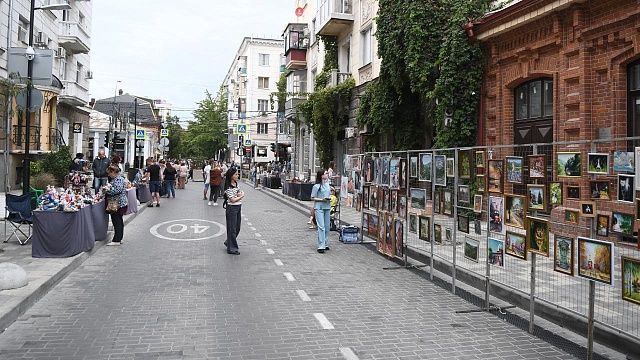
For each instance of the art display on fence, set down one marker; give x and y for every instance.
(477, 204)
(450, 167)
(394, 173)
(515, 210)
(571, 216)
(384, 198)
(385, 171)
(447, 203)
(555, 194)
(573, 192)
(440, 166)
(471, 248)
(588, 209)
(477, 226)
(377, 171)
(495, 252)
(563, 255)
(536, 197)
(463, 223)
(399, 238)
(426, 162)
(464, 194)
(481, 183)
(402, 174)
(514, 169)
(390, 235)
(630, 279)
(418, 198)
(374, 224)
(537, 166)
(568, 164)
(599, 190)
(413, 167)
(496, 170)
(480, 159)
(626, 188)
(365, 224)
(373, 197)
(356, 177)
(598, 163)
(516, 245)
(437, 233)
(413, 223)
(368, 172)
(448, 235)
(622, 223)
(496, 214)
(393, 201)
(623, 161)
(464, 164)
(424, 228)
(402, 206)
(365, 196)
(538, 236)
(602, 225)
(595, 260)
(437, 202)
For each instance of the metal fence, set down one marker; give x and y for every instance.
(482, 211)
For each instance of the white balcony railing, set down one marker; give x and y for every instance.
(334, 10)
(74, 37)
(73, 93)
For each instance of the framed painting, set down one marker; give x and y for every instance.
(480, 159)
(477, 204)
(402, 206)
(413, 167)
(463, 223)
(471, 248)
(588, 209)
(537, 166)
(563, 255)
(571, 216)
(515, 211)
(437, 202)
(598, 163)
(374, 223)
(495, 252)
(394, 173)
(413, 223)
(630, 279)
(424, 228)
(623, 161)
(390, 234)
(513, 169)
(426, 162)
(573, 192)
(440, 169)
(516, 245)
(447, 206)
(377, 171)
(496, 214)
(599, 190)
(637, 209)
(393, 201)
(365, 223)
(450, 167)
(626, 188)
(555, 194)
(373, 197)
(448, 235)
(385, 199)
(385, 171)
(418, 198)
(477, 226)
(538, 236)
(536, 197)
(464, 164)
(569, 164)
(602, 225)
(368, 169)
(365, 196)
(437, 233)
(496, 170)
(622, 223)
(399, 241)
(595, 260)
(402, 174)
(481, 183)
(464, 194)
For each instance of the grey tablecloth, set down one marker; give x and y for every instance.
(61, 234)
(133, 202)
(144, 195)
(100, 220)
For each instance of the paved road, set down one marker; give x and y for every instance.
(157, 298)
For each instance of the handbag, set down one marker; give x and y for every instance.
(112, 205)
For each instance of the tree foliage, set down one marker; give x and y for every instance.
(205, 136)
(176, 134)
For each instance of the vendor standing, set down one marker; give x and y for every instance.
(99, 167)
(117, 192)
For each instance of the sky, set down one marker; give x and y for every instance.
(177, 50)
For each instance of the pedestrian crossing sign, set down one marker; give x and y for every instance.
(140, 135)
(242, 129)
(247, 142)
(164, 132)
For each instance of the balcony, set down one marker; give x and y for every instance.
(296, 42)
(338, 77)
(39, 141)
(74, 38)
(73, 94)
(296, 59)
(334, 17)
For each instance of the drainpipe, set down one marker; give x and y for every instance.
(7, 118)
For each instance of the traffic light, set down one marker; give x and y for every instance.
(273, 148)
(107, 139)
(117, 139)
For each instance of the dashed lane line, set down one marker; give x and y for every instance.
(324, 322)
(303, 295)
(348, 354)
(270, 251)
(289, 276)
(278, 262)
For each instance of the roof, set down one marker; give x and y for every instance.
(124, 104)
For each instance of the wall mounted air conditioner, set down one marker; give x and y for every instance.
(61, 53)
(89, 75)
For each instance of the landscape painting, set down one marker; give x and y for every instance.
(440, 165)
(516, 245)
(496, 170)
(515, 210)
(595, 260)
(471, 249)
(569, 164)
(514, 169)
(426, 160)
(631, 279)
(495, 252)
(623, 161)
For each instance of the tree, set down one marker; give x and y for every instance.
(207, 135)
(176, 133)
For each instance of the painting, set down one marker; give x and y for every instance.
(399, 232)
(437, 233)
(496, 169)
(373, 226)
(481, 183)
(450, 167)
(496, 214)
(393, 201)
(630, 279)
(623, 161)
(424, 228)
(464, 194)
(440, 165)
(537, 166)
(413, 167)
(588, 209)
(373, 197)
(598, 163)
(437, 202)
(418, 198)
(480, 159)
(538, 236)
(595, 260)
(626, 188)
(390, 234)
(602, 225)
(536, 197)
(477, 204)
(563, 255)
(599, 190)
(637, 208)
(573, 192)
(365, 223)
(495, 252)
(464, 164)
(447, 207)
(568, 164)
(377, 171)
(555, 194)
(477, 226)
(365, 196)
(471, 248)
(368, 170)
(448, 234)
(513, 169)
(402, 206)
(426, 161)
(515, 210)
(394, 173)
(358, 202)
(384, 199)
(572, 216)
(516, 245)
(402, 174)
(413, 223)
(463, 223)
(622, 223)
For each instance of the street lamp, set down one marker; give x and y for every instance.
(30, 54)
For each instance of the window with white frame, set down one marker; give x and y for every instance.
(263, 128)
(63, 69)
(79, 69)
(263, 59)
(23, 30)
(263, 82)
(367, 46)
(263, 105)
(66, 15)
(81, 18)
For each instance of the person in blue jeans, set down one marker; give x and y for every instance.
(321, 196)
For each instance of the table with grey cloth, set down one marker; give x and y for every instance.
(100, 220)
(133, 202)
(144, 195)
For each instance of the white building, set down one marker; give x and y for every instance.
(251, 84)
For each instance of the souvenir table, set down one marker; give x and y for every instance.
(100, 220)
(133, 201)
(144, 195)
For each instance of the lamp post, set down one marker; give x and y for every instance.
(31, 54)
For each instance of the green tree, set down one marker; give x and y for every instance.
(176, 133)
(207, 135)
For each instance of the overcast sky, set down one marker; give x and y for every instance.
(175, 49)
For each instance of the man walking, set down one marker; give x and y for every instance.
(99, 167)
(152, 173)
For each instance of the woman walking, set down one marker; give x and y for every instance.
(116, 192)
(321, 196)
(233, 203)
(216, 183)
(170, 179)
(184, 172)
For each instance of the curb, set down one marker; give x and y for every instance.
(25, 304)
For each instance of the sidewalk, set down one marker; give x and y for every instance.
(43, 274)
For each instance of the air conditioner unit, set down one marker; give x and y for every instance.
(41, 38)
(89, 75)
(61, 53)
(22, 35)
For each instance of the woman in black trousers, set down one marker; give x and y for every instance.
(117, 192)
(233, 204)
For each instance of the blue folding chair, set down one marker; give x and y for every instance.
(18, 213)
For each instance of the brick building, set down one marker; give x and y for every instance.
(562, 70)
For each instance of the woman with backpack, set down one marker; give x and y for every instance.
(321, 196)
(233, 204)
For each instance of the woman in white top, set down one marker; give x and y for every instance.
(233, 204)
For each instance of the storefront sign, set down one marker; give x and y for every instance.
(77, 128)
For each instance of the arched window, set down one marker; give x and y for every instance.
(633, 96)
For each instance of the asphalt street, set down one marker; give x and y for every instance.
(172, 292)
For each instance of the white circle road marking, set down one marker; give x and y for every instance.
(197, 229)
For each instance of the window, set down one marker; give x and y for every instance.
(263, 128)
(63, 69)
(633, 98)
(23, 30)
(81, 18)
(242, 108)
(367, 47)
(263, 105)
(534, 100)
(66, 15)
(263, 82)
(263, 59)
(79, 69)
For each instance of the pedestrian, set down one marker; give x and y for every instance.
(163, 184)
(116, 193)
(233, 204)
(99, 168)
(169, 174)
(152, 172)
(216, 184)
(78, 163)
(206, 172)
(321, 196)
(182, 175)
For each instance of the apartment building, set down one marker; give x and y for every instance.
(251, 84)
(63, 118)
(352, 24)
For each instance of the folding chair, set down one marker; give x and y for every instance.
(18, 213)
